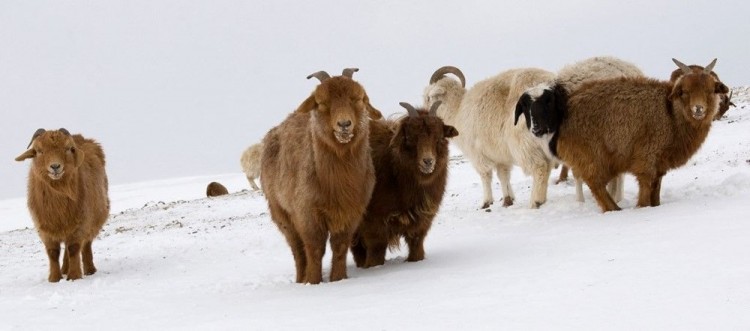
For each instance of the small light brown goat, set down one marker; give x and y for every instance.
(250, 162)
(317, 173)
(67, 197)
(411, 168)
(642, 126)
(215, 189)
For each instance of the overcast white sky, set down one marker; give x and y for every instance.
(179, 88)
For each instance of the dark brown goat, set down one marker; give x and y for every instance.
(411, 167)
(67, 198)
(215, 189)
(317, 174)
(726, 99)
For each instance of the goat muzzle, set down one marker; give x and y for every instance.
(343, 136)
(699, 112)
(427, 166)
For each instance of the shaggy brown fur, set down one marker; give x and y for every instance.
(726, 99)
(317, 175)
(637, 125)
(215, 189)
(67, 198)
(411, 167)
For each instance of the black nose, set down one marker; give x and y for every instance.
(344, 124)
(55, 166)
(428, 162)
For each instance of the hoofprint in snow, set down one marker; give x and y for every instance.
(168, 259)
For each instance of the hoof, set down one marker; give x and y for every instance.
(507, 201)
(74, 277)
(486, 205)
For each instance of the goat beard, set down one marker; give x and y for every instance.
(427, 170)
(343, 136)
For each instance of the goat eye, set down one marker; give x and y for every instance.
(72, 149)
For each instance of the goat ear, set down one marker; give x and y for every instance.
(522, 107)
(308, 105)
(721, 88)
(31, 153)
(373, 112)
(449, 131)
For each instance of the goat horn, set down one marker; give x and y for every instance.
(433, 109)
(348, 72)
(729, 99)
(36, 134)
(320, 75)
(448, 70)
(409, 109)
(65, 131)
(685, 69)
(709, 67)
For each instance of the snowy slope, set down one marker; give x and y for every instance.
(169, 259)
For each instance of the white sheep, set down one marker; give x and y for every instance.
(250, 162)
(484, 116)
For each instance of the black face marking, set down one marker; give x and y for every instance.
(522, 107)
(542, 113)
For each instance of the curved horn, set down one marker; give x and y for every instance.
(685, 69)
(729, 99)
(65, 131)
(320, 75)
(434, 108)
(448, 70)
(709, 67)
(36, 134)
(348, 72)
(409, 109)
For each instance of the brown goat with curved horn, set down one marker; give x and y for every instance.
(67, 198)
(448, 70)
(411, 164)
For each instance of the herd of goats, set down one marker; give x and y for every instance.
(336, 170)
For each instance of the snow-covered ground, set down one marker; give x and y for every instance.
(170, 259)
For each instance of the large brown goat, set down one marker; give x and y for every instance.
(67, 198)
(637, 125)
(317, 173)
(726, 99)
(411, 167)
